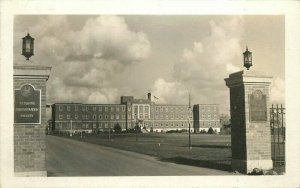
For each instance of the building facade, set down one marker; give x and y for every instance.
(94, 118)
(206, 116)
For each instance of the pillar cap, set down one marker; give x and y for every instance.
(248, 77)
(32, 71)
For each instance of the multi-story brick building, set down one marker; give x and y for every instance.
(78, 117)
(206, 116)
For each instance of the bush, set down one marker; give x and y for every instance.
(203, 131)
(210, 131)
(117, 128)
(176, 131)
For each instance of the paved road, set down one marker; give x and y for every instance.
(67, 157)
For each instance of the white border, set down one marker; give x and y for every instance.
(121, 7)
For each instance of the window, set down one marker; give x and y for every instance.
(106, 116)
(167, 117)
(100, 125)
(76, 108)
(123, 116)
(161, 109)
(76, 116)
(111, 109)
(94, 108)
(106, 108)
(60, 116)
(94, 125)
(156, 109)
(141, 109)
(68, 116)
(106, 125)
(123, 108)
(68, 108)
(117, 109)
(61, 108)
(100, 116)
(172, 116)
(87, 108)
(100, 108)
(117, 116)
(94, 116)
(167, 109)
(129, 109)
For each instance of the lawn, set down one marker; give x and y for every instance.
(211, 151)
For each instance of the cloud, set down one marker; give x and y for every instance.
(112, 38)
(277, 91)
(88, 60)
(202, 69)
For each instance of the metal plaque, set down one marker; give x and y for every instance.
(27, 105)
(258, 106)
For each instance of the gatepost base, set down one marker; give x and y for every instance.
(247, 166)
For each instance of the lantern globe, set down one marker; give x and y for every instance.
(247, 58)
(27, 46)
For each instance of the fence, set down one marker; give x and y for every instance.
(277, 125)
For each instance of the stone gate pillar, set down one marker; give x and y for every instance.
(250, 131)
(30, 119)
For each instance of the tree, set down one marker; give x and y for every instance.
(210, 131)
(117, 128)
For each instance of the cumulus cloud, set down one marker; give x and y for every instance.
(88, 59)
(277, 91)
(202, 69)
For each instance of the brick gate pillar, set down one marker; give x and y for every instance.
(30, 119)
(250, 131)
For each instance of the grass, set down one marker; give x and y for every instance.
(210, 151)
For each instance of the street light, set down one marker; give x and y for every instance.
(189, 109)
(28, 44)
(247, 59)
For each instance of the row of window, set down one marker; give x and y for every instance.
(74, 126)
(94, 117)
(172, 116)
(171, 109)
(209, 116)
(95, 108)
(209, 123)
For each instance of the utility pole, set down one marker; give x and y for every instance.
(190, 146)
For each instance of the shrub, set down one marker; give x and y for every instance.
(210, 131)
(117, 128)
(203, 131)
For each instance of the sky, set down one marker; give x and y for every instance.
(97, 59)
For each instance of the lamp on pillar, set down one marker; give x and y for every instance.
(28, 44)
(247, 59)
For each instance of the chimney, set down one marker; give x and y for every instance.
(149, 96)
